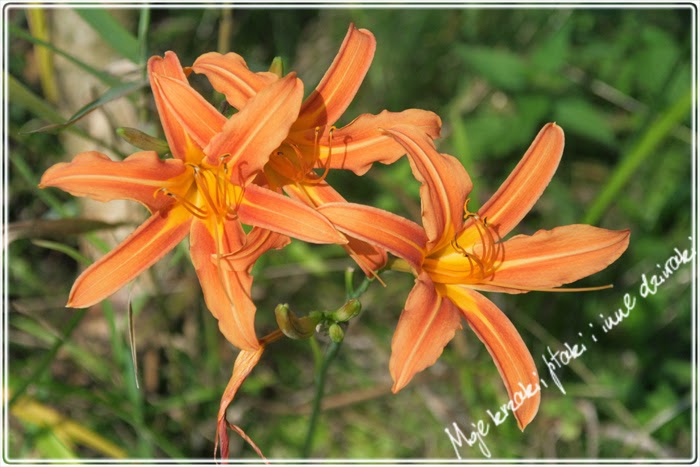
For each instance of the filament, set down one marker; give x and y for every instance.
(213, 185)
(483, 265)
(193, 209)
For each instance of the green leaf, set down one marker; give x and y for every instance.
(23, 96)
(51, 447)
(502, 68)
(112, 94)
(578, 115)
(657, 55)
(644, 147)
(112, 32)
(550, 55)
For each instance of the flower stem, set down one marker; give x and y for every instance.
(321, 371)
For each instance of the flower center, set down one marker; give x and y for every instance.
(291, 163)
(206, 191)
(468, 264)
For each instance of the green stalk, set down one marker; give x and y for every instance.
(321, 372)
(646, 145)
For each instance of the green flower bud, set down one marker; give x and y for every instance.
(293, 326)
(141, 140)
(346, 312)
(277, 66)
(336, 333)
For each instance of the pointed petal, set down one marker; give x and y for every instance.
(189, 121)
(138, 177)
(226, 292)
(257, 242)
(363, 142)
(445, 185)
(253, 133)
(509, 353)
(139, 251)
(230, 75)
(265, 208)
(524, 185)
(427, 324)
(340, 83)
(383, 229)
(550, 258)
(244, 364)
(368, 257)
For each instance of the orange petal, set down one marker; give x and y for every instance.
(139, 251)
(383, 229)
(362, 142)
(427, 324)
(445, 185)
(340, 83)
(253, 133)
(137, 177)
(226, 292)
(257, 242)
(368, 257)
(265, 208)
(185, 115)
(509, 353)
(524, 185)
(550, 258)
(230, 75)
(244, 364)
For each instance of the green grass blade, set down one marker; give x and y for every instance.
(87, 360)
(112, 32)
(49, 357)
(19, 93)
(22, 96)
(112, 94)
(647, 144)
(65, 249)
(144, 22)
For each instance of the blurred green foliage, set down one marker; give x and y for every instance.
(495, 76)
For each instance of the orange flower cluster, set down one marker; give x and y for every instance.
(266, 167)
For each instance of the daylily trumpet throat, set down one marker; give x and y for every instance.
(458, 252)
(204, 191)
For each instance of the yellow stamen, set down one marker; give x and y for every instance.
(483, 265)
(194, 210)
(210, 196)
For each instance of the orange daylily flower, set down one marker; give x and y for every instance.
(458, 253)
(204, 190)
(313, 141)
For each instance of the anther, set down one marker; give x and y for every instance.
(467, 214)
